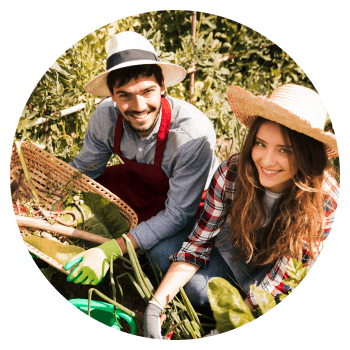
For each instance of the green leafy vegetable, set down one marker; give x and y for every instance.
(228, 307)
(265, 300)
(102, 217)
(55, 250)
(296, 273)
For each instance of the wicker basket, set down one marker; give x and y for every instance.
(46, 172)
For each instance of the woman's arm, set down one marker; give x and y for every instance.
(178, 275)
(194, 252)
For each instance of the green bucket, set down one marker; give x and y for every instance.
(104, 313)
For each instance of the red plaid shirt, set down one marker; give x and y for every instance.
(220, 195)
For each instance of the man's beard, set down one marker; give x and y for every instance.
(150, 110)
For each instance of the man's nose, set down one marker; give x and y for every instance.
(139, 103)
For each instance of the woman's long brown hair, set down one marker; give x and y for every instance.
(299, 217)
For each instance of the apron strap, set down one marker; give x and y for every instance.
(163, 132)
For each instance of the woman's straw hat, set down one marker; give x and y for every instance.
(297, 107)
(127, 49)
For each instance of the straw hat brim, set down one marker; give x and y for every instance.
(248, 107)
(173, 74)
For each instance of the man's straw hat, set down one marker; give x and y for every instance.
(297, 107)
(127, 49)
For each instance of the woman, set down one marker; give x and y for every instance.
(273, 201)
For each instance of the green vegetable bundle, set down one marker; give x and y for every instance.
(95, 214)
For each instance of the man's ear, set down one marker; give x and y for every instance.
(162, 88)
(112, 95)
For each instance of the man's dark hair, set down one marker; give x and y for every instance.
(120, 77)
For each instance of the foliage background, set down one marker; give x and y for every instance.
(255, 64)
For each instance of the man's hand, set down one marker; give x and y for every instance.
(93, 264)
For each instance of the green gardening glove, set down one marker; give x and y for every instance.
(93, 263)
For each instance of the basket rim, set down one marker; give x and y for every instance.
(46, 258)
(127, 212)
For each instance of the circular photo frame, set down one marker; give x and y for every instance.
(40, 308)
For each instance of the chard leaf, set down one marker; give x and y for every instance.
(102, 216)
(265, 300)
(228, 307)
(55, 250)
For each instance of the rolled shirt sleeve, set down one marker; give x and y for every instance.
(196, 249)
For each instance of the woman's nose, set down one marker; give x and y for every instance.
(269, 158)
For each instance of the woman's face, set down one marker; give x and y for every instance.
(273, 158)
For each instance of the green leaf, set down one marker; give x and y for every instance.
(102, 216)
(48, 272)
(22, 125)
(55, 250)
(302, 273)
(265, 300)
(292, 282)
(292, 274)
(31, 122)
(228, 307)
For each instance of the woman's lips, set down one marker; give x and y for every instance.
(269, 173)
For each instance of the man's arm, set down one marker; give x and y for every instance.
(98, 141)
(194, 162)
(121, 243)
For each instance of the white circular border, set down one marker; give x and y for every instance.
(158, 6)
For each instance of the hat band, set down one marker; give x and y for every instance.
(130, 55)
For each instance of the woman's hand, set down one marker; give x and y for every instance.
(178, 275)
(249, 304)
(151, 321)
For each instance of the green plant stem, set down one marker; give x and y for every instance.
(174, 327)
(114, 293)
(209, 325)
(136, 285)
(121, 307)
(191, 310)
(153, 269)
(144, 284)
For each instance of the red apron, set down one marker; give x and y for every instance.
(143, 187)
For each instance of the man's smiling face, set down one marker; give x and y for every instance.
(139, 103)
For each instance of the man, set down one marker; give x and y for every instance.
(166, 145)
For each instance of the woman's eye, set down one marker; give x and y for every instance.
(260, 144)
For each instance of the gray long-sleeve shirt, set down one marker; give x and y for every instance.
(188, 162)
